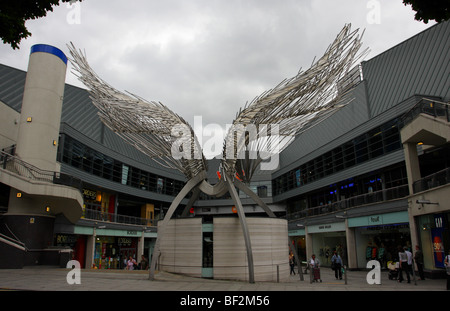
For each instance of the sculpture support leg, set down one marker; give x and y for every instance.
(255, 198)
(162, 226)
(194, 197)
(240, 211)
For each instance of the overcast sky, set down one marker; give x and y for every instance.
(209, 57)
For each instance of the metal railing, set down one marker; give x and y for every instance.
(352, 202)
(123, 219)
(15, 165)
(429, 107)
(432, 181)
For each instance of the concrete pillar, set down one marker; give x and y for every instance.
(309, 244)
(412, 164)
(90, 249)
(41, 107)
(351, 247)
(140, 250)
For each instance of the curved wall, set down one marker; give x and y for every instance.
(181, 248)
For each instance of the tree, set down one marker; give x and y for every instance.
(438, 10)
(14, 14)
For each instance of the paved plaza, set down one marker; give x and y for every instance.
(54, 279)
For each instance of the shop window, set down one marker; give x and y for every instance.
(349, 154)
(262, 191)
(117, 171)
(338, 159)
(97, 164)
(361, 149)
(77, 154)
(375, 143)
(125, 171)
(107, 167)
(328, 163)
(318, 165)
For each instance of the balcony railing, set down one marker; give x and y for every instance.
(15, 165)
(432, 181)
(122, 219)
(427, 106)
(359, 200)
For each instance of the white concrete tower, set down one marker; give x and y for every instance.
(41, 107)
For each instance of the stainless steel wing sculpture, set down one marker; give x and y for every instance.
(268, 123)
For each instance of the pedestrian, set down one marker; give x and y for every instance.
(314, 262)
(336, 264)
(315, 269)
(409, 263)
(447, 267)
(418, 258)
(144, 263)
(291, 263)
(402, 264)
(130, 263)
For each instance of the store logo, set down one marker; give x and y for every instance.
(374, 275)
(74, 275)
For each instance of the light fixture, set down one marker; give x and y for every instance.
(423, 201)
(47, 209)
(29, 119)
(54, 142)
(99, 196)
(19, 194)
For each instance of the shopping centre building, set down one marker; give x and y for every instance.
(373, 176)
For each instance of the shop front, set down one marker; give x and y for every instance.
(434, 238)
(377, 237)
(324, 239)
(298, 243)
(112, 252)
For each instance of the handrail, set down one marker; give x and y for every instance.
(434, 180)
(12, 242)
(16, 165)
(353, 202)
(427, 106)
(90, 214)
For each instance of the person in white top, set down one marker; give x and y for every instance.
(403, 264)
(409, 265)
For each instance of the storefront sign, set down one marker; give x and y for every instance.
(124, 241)
(375, 220)
(333, 227)
(89, 194)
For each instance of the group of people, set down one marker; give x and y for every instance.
(405, 263)
(131, 264)
(336, 264)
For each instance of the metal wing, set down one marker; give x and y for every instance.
(292, 106)
(151, 127)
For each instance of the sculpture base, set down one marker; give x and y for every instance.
(218, 250)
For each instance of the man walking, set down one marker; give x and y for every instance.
(336, 262)
(418, 258)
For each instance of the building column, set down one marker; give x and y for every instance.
(140, 249)
(351, 247)
(412, 164)
(90, 249)
(309, 244)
